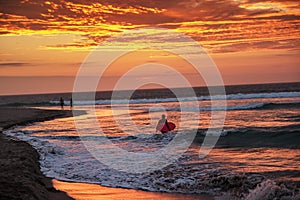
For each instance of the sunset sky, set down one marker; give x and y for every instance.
(43, 43)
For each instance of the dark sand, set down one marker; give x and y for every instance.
(20, 175)
(11, 116)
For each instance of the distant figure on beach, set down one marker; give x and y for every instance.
(71, 103)
(163, 125)
(62, 103)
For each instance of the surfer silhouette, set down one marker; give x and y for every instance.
(61, 103)
(163, 125)
(71, 103)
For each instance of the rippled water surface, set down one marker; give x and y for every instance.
(65, 156)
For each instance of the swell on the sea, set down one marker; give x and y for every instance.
(182, 176)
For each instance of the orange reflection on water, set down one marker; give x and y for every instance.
(282, 163)
(85, 191)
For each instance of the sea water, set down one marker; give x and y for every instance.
(252, 120)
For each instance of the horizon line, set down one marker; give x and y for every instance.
(159, 88)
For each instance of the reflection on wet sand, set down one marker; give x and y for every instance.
(86, 191)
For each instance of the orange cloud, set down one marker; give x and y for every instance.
(222, 26)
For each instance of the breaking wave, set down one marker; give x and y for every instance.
(185, 99)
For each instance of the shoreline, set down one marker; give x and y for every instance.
(20, 175)
(21, 178)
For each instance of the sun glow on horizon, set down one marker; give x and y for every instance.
(53, 38)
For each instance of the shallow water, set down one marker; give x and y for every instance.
(85, 191)
(67, 154)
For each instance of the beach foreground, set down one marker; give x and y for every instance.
(20, 175)
(21, 178)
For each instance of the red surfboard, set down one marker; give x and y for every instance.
(162, 127)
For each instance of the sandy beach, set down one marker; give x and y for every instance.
(20, 175)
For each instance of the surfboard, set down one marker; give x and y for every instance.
(162, 127)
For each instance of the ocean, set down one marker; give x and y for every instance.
(258, 147)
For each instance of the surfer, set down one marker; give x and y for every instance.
(61, 103)
(163, 122)
(71, 103)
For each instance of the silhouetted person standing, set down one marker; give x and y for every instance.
(62, 103)
(71, 103)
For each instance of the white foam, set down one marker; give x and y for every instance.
(193, 108)
(44, 148)
(186, 99)
(263, 95)
(264, 190)
(70, 161)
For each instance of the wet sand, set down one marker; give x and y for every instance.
(84, 191)
(20, 175)
(12, 116)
